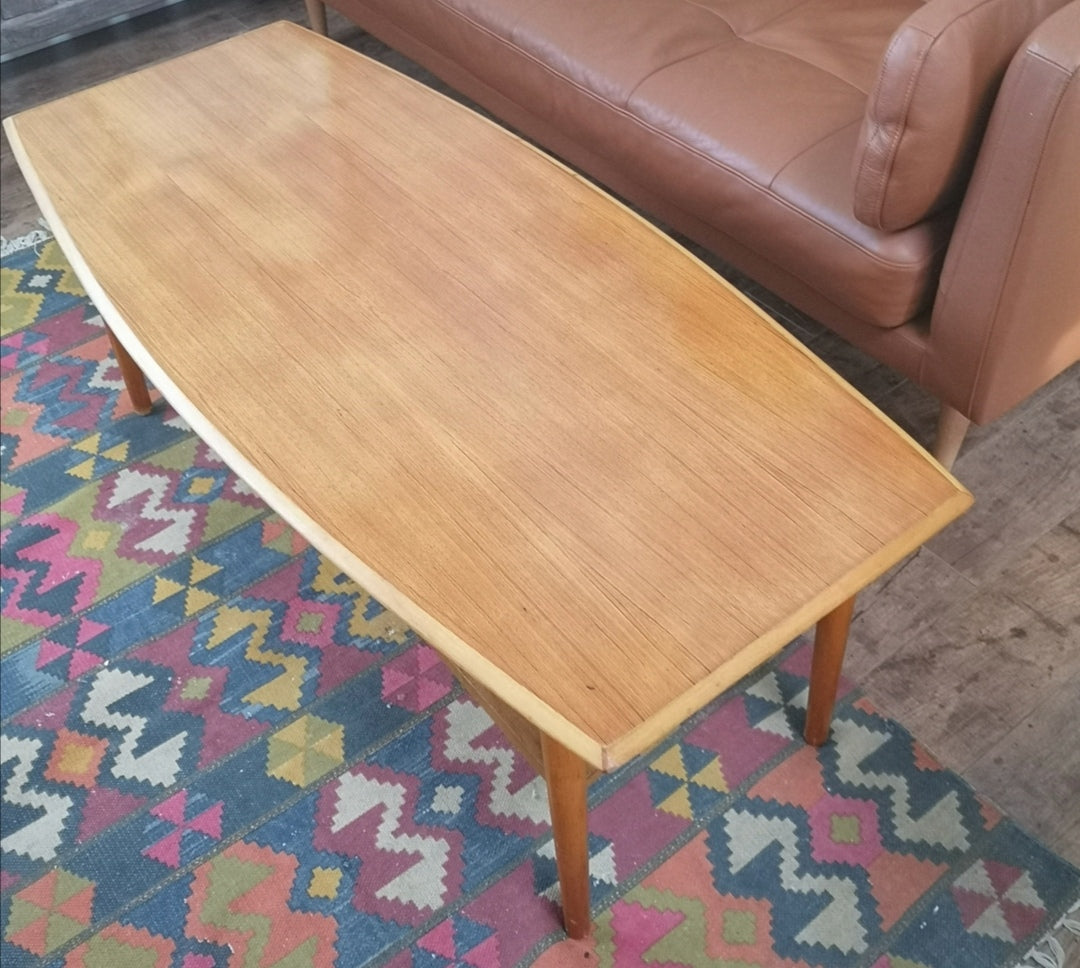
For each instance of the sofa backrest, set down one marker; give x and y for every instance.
(928, 109)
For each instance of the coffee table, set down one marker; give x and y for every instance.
(599, 481)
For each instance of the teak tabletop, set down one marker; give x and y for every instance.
(591, 474)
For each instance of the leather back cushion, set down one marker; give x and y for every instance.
(928, 109)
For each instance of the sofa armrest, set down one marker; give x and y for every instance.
(1007, 315)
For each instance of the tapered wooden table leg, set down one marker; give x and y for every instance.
(316, 12)
(567, 785)
(830, 640)
(134, 380)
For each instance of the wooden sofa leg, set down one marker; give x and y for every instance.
(951, 428)
(316, 12)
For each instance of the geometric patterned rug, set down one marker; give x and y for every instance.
(219, 751)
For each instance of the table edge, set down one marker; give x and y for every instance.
(666, 720)
(601, 755)
(443, 639)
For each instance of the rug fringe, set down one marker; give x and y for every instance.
(35, 238)
(1050, 952)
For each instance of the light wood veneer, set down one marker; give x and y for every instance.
(602, 483)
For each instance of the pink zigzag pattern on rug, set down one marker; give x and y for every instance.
(222, 731)
(61, 568)
(156, 529)
(337, 661)
(408, 870)
(504, 774)
(86, 408)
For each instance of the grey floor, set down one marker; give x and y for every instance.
(973, 643)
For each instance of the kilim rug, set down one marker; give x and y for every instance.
(219, 751)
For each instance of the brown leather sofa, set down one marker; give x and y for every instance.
(905, 172)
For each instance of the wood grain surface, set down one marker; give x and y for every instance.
(599, 480)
